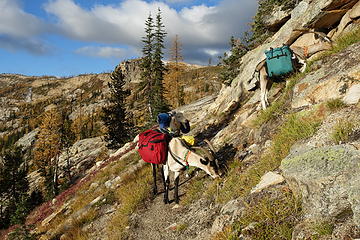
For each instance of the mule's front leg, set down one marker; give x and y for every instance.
(176, 190)
(263, 88)
(166, 180)
(154, 177)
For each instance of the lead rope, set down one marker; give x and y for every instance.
(178, 159)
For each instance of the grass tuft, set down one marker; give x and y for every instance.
(342, 131)
(182, 227)
(346, 40)
(323, 228)
(335, 104)
(271, 218)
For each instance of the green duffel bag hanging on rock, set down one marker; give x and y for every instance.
(279, 61)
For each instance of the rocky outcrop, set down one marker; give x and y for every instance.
(276, 18)
(334, 79)
(27, 141)
(306, 14)
(327, 179)
(82, 156)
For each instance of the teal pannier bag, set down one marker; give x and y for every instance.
(279, 61)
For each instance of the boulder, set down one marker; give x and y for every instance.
(276, 18)
(327, 179)
(327, 19)
(267, 180)
(353, 95)
(228, 214)
(345, 20)
(355, 11)
(340, 4)
(219, 223)
(306, 39)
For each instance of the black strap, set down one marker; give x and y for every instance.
(176, 158)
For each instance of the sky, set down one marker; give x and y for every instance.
(72, 37)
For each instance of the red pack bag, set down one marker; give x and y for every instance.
(153, 146)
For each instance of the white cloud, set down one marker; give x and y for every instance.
(20, 30)
(212, 52)
(15, 22)
(31, 45)
(199, 27)
(104, 52)
(178, 1)
(203, 30)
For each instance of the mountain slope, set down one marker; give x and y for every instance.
(305, 139)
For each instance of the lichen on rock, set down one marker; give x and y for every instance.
(327, 179)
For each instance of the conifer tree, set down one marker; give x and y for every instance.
(67, 139)
(117, 120)
(13, 189)
(153, 66)
(159, 67)
(147, 62)
(47, 150)
(232, 61)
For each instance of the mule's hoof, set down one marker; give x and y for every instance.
(176, 206)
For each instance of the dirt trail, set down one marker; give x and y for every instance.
(159, 221)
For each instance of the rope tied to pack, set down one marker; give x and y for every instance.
(187, 154)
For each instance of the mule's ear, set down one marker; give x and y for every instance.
(204, 161)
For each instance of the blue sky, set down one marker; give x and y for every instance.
(71, 37)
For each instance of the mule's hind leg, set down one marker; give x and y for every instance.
(176, 190)
(163, 176)
(166, 183)
(154, 178)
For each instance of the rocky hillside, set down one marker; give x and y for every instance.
(25, 101)
(290, 171)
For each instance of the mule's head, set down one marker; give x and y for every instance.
(209, 161)
(179, 122)
(210, 167)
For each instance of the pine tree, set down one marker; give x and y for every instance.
(153, 66)
(239, 47)
(158, 67)
(117, 120)
(147, 62)
(13, 189)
